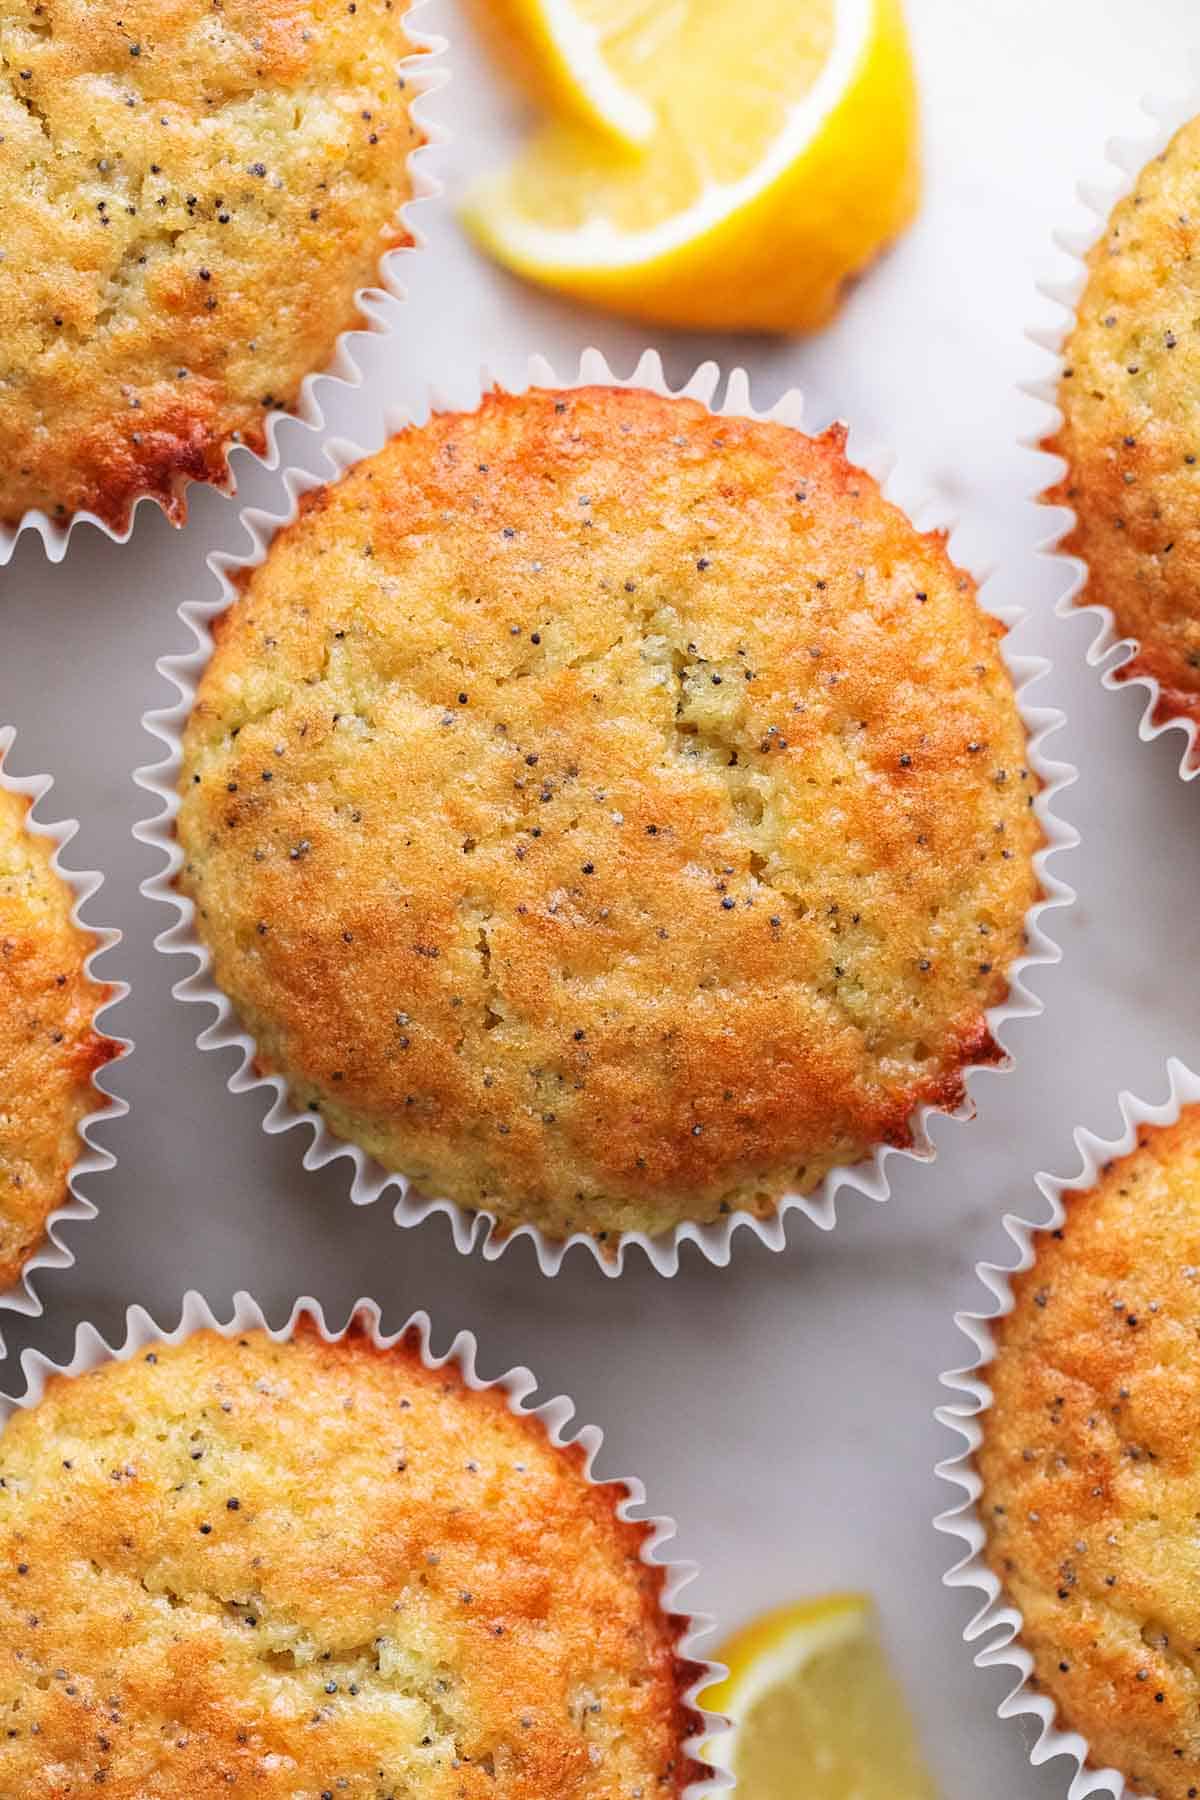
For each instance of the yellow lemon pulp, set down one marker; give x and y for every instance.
(576, 55)
(816, 1710)
(785, 157)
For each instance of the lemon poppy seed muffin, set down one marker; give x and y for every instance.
(609, 814)
(298, 1569)
(191, 193)
(1088, 1462)
(49, 1047)
(1130, 432)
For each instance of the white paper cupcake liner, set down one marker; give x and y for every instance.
(996, 1626)
(1108, 650)
(519, 1386)
(93, 1156)
(423, 75)
(369, 1178)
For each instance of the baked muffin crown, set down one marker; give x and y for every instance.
(608, 813)
(306, 1566)
(192, 197)
(50, 1049)
(1090, 1494)
(1130, 430)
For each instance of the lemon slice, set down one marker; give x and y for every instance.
(576, 54)
(785, 158)
(816, 1710)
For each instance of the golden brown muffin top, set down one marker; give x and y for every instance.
(192, 191)
(1091, 1490)
(1130, 398)
(610, 814)
(49, 1047)
(310, 1569)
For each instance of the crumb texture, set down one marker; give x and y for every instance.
(609, 814)
(1091, 1491)
(1130, 400)
(305, 1570)
(49, 1048)
(192, 192)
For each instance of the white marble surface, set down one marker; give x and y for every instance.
(781, 1408)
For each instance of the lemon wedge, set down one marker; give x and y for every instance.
(816, 1710)
(785, 157)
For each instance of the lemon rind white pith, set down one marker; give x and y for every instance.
(622, 113)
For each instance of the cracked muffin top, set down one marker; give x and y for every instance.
(1090, 1484)
(304, 1569)
(1130, 433)
(192, 191)
(609, 814)
(49, 1046)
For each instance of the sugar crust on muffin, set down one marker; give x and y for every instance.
(1090, 1485)
(192, 194)
(50, 1049)
(610, 814)
(298, 1568)
(1130, 431)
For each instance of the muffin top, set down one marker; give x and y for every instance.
(610, 814)
(304, 1568)
(1130, 432)
(192, 192)
(49, 1047)
(1091, 1489)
